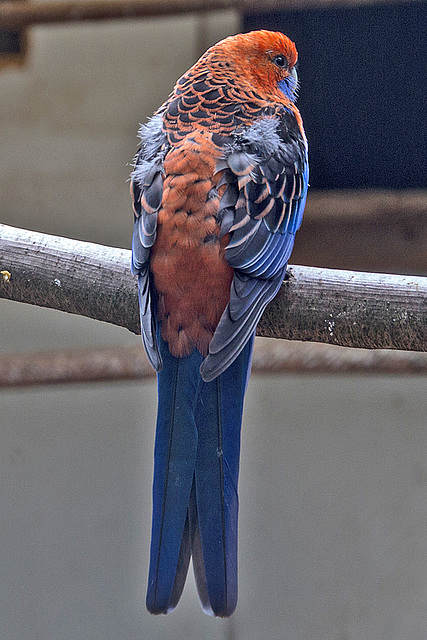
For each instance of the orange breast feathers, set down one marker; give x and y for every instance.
(191, 275)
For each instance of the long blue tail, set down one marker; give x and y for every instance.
(196, 468)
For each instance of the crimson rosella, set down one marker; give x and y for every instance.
(219, 187)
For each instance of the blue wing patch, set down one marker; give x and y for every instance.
(265, 170)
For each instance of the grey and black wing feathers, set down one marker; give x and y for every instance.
(265, 170)
(147, 190)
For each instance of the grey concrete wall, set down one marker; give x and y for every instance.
(333, 520)
(333, 525)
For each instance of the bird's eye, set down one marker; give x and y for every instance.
(280, 61)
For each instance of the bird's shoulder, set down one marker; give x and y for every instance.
(203, 101)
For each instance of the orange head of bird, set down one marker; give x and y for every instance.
(263, 61)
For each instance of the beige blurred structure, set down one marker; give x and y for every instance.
(333, 487)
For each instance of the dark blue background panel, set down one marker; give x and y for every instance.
(363, 91)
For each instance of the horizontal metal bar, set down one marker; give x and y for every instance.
(25, 14)
(115, 364)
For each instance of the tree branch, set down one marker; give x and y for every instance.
(324, 305)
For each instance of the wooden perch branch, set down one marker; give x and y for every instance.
(324, 305)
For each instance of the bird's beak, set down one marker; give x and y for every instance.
(293, 73)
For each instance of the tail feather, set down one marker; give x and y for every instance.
(195, 502)
(174, 461)
(218, 419)
(182, 566)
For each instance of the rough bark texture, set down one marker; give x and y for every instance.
(350, 308)
(78, 277)
(324, 305)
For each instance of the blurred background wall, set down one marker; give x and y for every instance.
(333, 487)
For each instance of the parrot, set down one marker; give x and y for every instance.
(219, 186)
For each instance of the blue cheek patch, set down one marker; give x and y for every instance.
(289, 87)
